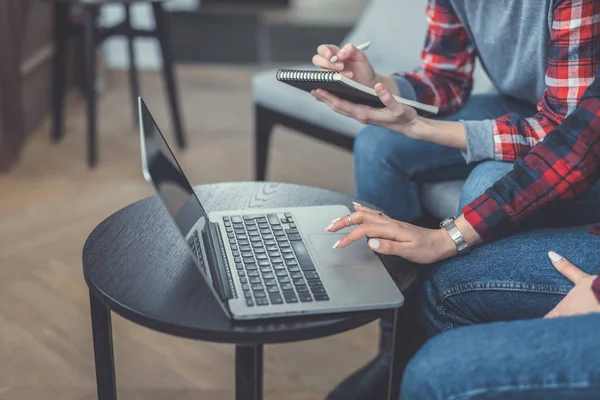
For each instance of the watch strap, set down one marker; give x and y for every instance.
(456, 235)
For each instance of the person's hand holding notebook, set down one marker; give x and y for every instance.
(351, 63)
(350, 86)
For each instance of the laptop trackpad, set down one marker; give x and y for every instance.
(355, 254)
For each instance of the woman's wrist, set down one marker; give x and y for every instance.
(445, 133)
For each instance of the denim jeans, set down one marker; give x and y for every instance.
(536, 359)
(390, 166)
(505, 280)
(484, 312)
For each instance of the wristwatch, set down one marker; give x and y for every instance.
(457, 237)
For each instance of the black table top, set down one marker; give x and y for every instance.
(136, 264)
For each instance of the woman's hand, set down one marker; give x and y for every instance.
(581, 299)
(394, 116)
(352, 63)
(388, 236)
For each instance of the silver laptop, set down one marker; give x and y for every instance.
(266, 263)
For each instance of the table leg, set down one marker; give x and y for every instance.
(399, 358)
(103, 350)
(248, 372)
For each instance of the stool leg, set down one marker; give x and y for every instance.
(162, 33)
(407, 338)
(263, 126)
(103, 350)
(91, 14)
(134, 82)
(59, 68)
(398, 359)
(248, 372)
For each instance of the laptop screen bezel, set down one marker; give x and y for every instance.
(142, 108)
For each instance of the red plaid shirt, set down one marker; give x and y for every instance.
(448, 59)
(564, 164)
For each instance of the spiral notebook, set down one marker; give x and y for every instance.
(343, 87)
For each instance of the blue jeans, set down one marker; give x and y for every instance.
(390, 166)
(534, 359)
(484, 311)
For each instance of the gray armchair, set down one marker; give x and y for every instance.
(397, 32)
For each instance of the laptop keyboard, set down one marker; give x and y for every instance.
(272, 261)
(194, 242)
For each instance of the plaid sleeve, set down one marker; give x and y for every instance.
(573, 53)
(564, 164)
(445, 76)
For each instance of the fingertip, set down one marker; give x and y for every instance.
(555, 257)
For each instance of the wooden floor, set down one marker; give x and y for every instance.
(51, 201)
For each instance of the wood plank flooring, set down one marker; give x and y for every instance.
(51, 201)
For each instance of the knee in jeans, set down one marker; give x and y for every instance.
(432, 373)
(481, 178)
(433, 310)
(372, 149)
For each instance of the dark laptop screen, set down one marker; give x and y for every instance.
(168, 177)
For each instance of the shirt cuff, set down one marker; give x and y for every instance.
(407, 91)
(477, 212)
(596, 288)
(480, 140)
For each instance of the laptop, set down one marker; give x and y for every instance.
(266, 263)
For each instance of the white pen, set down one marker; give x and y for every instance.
(363, 46)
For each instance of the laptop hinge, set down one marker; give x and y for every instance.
(219, 265)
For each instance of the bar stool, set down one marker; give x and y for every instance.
(94, 35)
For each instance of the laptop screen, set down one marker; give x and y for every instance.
(168, 177)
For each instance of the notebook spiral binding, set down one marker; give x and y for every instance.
(305, 76)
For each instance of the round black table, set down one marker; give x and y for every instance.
(137, 266)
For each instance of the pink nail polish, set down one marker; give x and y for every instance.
(328, 227)
(374, 244)
(554, 257)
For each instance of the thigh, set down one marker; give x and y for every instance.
(532, 359)
(481, 178)
(508, 279)
(425, 161)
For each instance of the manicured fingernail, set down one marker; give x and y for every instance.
(374, 244)
(328, 227)
(335, 220)
(335, 245)
(554, 257)
(339, 65)
(342, 53)
(357, 204)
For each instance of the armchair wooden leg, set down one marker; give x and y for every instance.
(263, 126)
